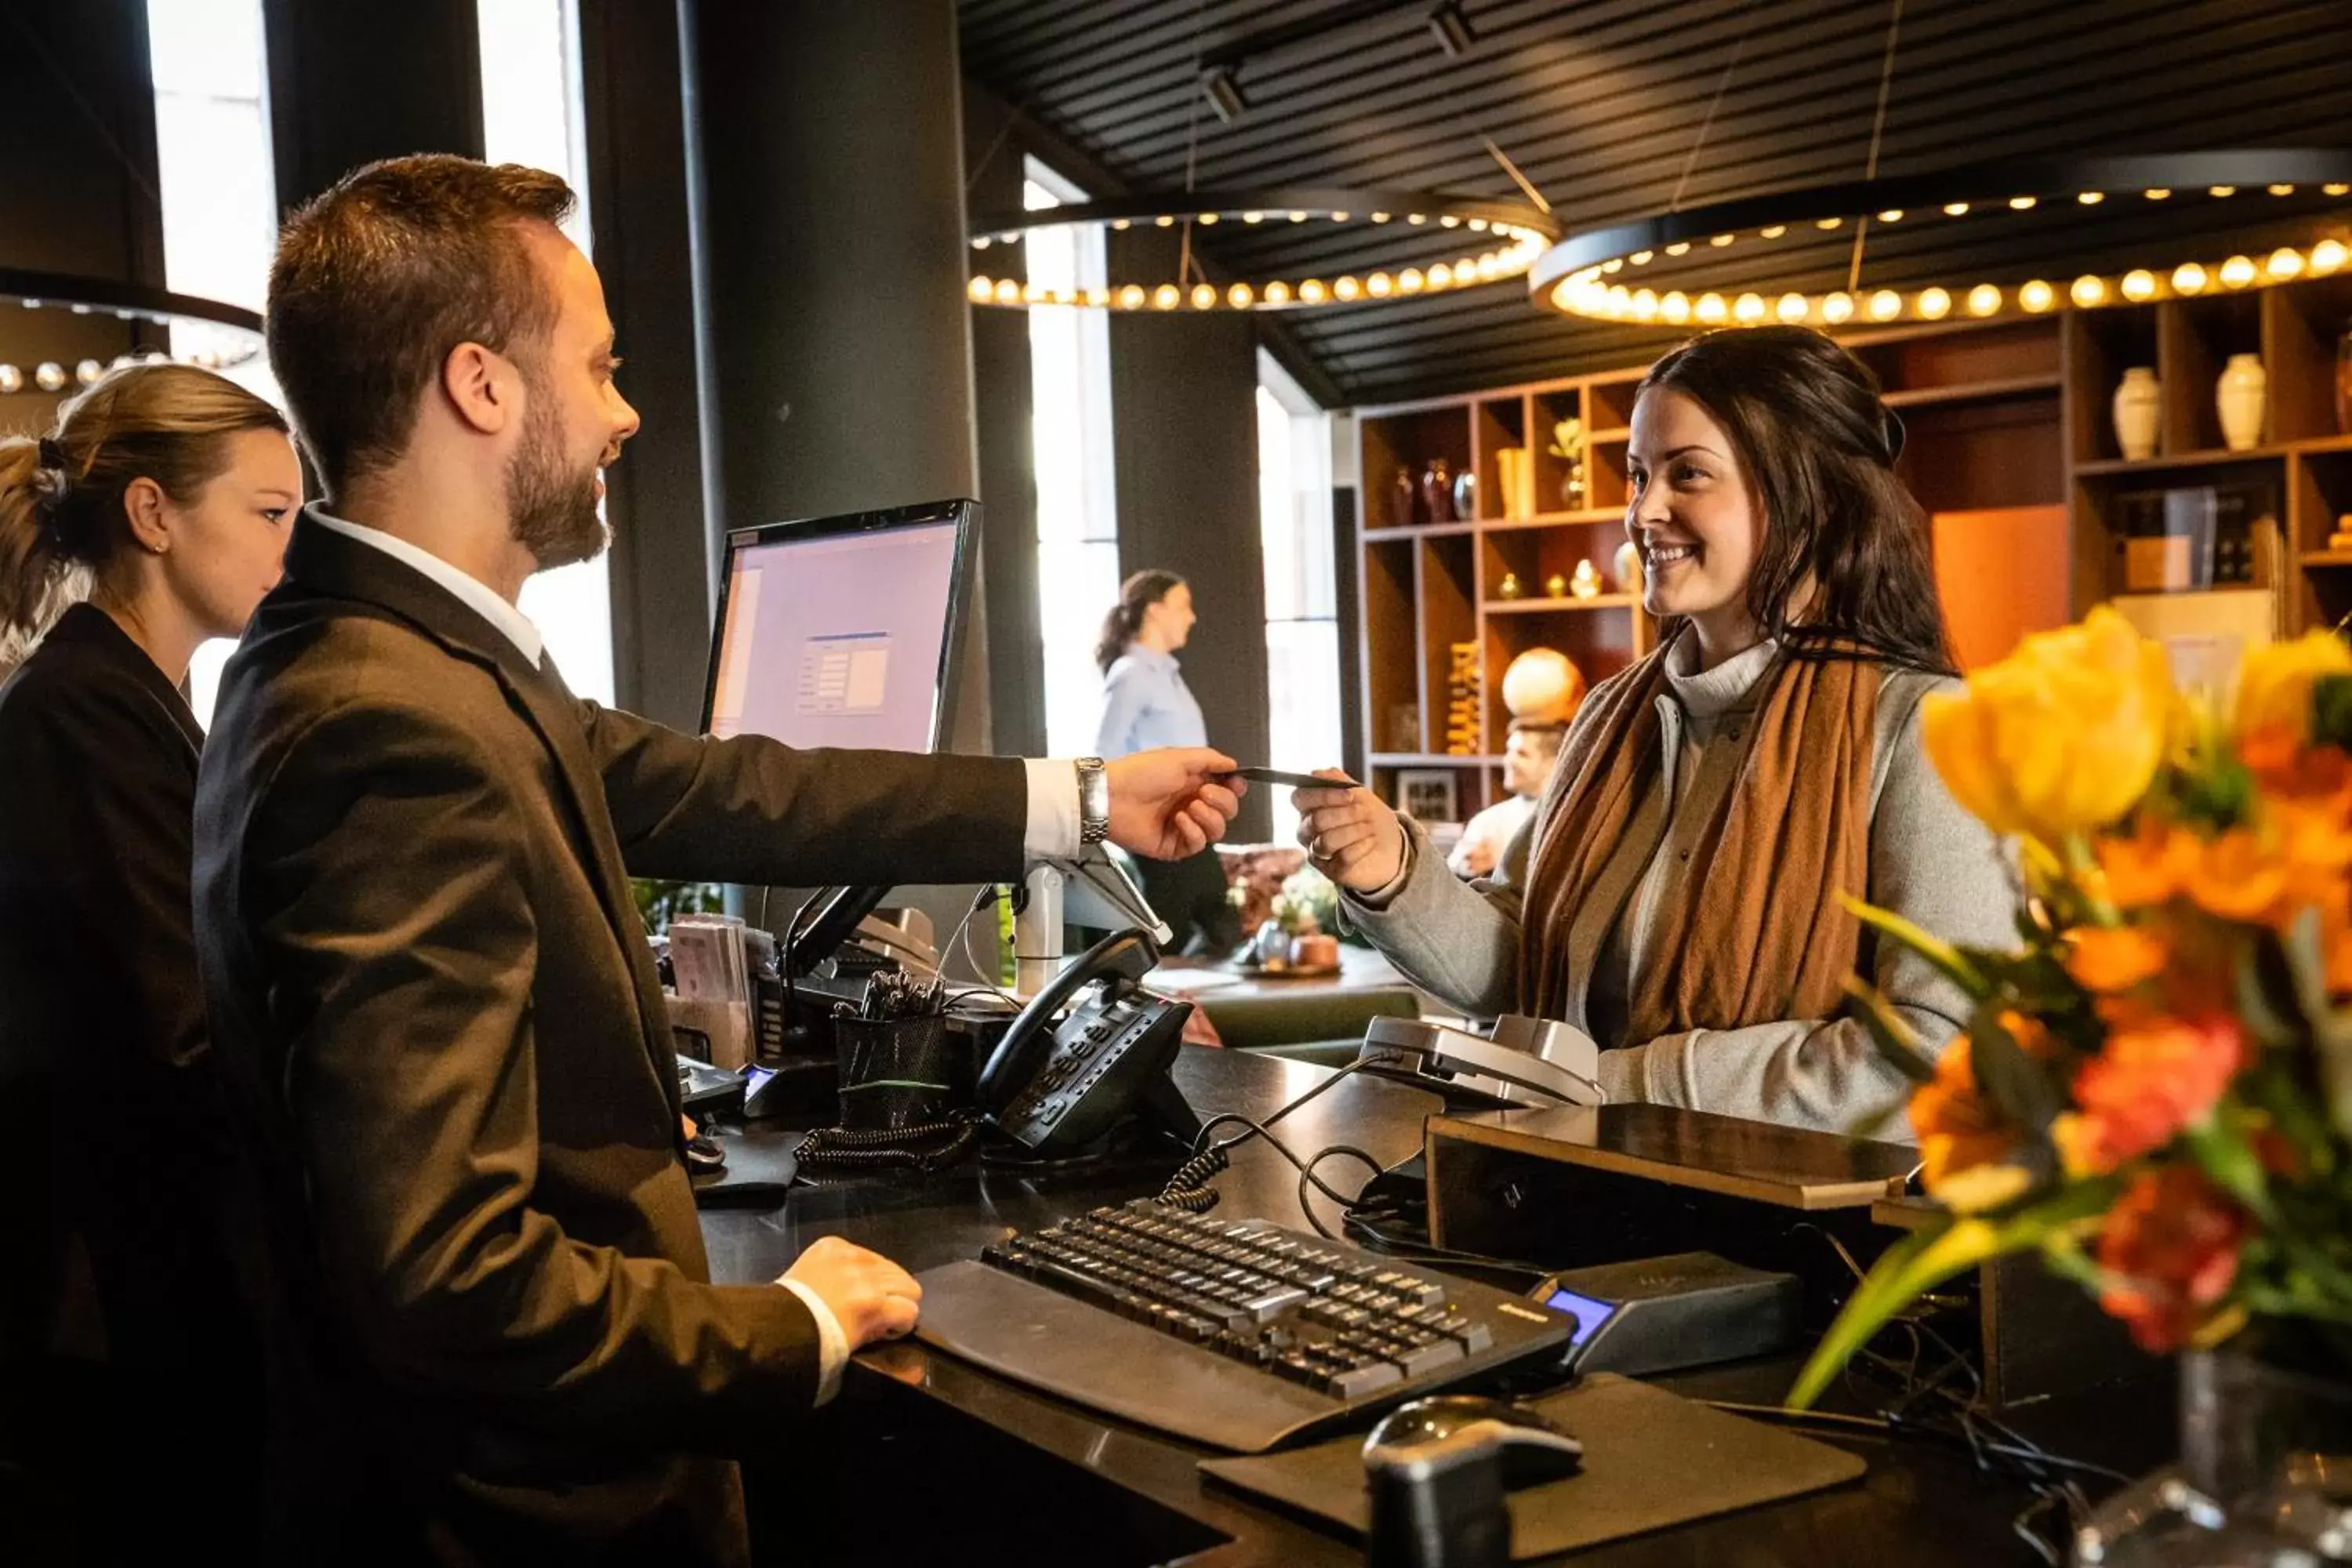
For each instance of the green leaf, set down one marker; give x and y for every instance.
(1924, 1259)
(2028, 1094)
(1934, 949)
(1896, 1039)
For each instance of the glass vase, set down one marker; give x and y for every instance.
(2264, 1479)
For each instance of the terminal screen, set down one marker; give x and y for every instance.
(834, 640)
(1589, 1313)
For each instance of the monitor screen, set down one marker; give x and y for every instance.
(1589, 1313)
(840, 631)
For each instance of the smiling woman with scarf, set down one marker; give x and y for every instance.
(1678, 893)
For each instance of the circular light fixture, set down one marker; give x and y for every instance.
(231, 336)
(1570, 277)
(1508, 237)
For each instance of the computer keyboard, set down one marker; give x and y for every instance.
(1235, 1334)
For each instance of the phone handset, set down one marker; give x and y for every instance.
(1026, 1043)
(1057, 1088)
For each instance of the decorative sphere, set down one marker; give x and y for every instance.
(1542, 687)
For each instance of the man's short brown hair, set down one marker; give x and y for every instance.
(377, 279)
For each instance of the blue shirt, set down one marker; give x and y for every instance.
(1146, 704)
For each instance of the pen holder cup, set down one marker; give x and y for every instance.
(899, 1072)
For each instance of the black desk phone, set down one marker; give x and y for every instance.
(1057, 1087)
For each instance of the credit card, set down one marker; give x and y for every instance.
(1295, 781)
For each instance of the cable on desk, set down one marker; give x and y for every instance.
(1188, 1188)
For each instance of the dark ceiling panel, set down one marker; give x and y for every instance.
(1601, 104)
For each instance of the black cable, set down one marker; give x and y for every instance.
(901, 1147)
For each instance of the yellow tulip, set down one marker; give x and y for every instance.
(2060, 737)
(2274, 686)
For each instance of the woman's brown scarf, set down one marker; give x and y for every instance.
(1754, 932)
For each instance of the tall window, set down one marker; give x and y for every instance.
(219, 192)
(1302, 613)
(1078, 513)
(531, 114)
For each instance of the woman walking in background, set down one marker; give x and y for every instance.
(1146, 704)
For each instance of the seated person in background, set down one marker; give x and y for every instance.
(1681, 901)
(1528, 758)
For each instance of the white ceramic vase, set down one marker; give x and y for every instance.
(2238, 399)
(2136, 404)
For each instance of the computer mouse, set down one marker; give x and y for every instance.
(1535, 1448)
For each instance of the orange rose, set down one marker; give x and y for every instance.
(2169, 1247)
(2151, 1082)
(2118, 959)
(1965, 1147)
(2149, 865)
(2238, 878)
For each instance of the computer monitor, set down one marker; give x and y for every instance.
(840, 631)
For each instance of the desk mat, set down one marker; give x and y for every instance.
(1652, 1459)
(761, 1166)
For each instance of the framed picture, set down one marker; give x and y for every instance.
(1428, 795)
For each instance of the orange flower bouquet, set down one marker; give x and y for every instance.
(2154, 1092)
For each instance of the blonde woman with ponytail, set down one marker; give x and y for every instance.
(153, 516)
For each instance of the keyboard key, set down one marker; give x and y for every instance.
(1426, 1358)
(1358, 1381)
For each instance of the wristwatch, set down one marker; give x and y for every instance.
(1094, 801)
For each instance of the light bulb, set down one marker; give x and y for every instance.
(2238, 271)
(980, 289)
(1312, 291)
(1441, 276)
(1379, 217)
(1621, 300)
(980, 242)
(2022, 204)
(1097, 298)
(1122, 224)
(1252, 218)
(1478, 226)
(1983, 299)
(1710, 308)
(2222, 191)
(1748, 308)
(1131, 297)
(1956, 209)
(1489, 267)
(1410, 280)
(89, 371)
(1164, 221)
(2282, 190)
(2091, 198)
(1934, 304)
(1208, 217)
(2139, 284)
(1007, 291)
(1837, 307)
(1885, 305)
(1826, 223)
(1239, 296)
(1641, 257)
(1205, 296)
(2037, 296)
(1450, 221)
(2157, 194)
(1033, 293)
(1679, 247)
(1676, 307)
(1338, 217)
(1347, 288)
(1277, 292)
(2189, 279)
(1892, 214)
(1167, 296)
(1614, 264)
(1790, 308)
(1416, 217)
(2327, 256)
(2284, 263)
(50, 376)
(1645, 303)
(1379, 285)
(2337, 190)
(2089, 290)
(1720, 240)
(1298, 217)
(12, 380)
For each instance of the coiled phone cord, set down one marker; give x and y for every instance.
(886, 1148)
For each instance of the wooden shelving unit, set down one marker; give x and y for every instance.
(2010, 448)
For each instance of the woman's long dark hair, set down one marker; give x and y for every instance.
(1819, 448)
(1136, 595)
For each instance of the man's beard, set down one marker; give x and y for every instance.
(552, 510)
